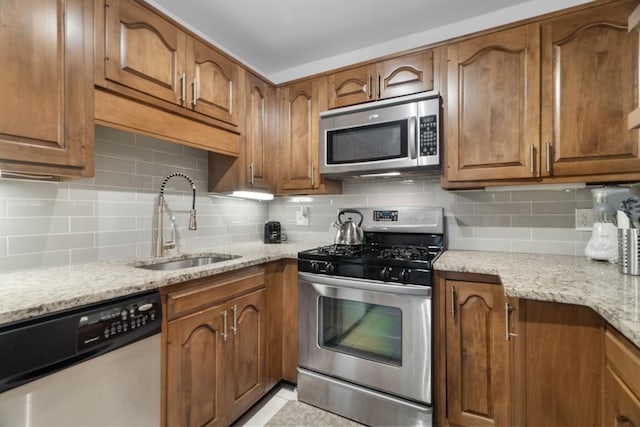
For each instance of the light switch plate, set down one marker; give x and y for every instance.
(302, 215)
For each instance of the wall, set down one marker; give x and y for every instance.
(533, 221)
(113, 215)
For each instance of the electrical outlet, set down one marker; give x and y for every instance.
(584, 219)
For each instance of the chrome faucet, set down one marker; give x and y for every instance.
(161, 244)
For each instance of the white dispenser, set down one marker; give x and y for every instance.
(603, 245)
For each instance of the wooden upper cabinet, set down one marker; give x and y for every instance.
(493, 102)
(589, 86)
(394, 77)
(300, 116)
(212, 82)
(143, 51)
(477, 355)
(46, 117)
(259, 128)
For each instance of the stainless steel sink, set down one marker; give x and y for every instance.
(188, 262)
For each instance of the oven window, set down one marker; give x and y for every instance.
(381, 141)
(360, 329)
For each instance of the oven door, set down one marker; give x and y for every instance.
(374, 334)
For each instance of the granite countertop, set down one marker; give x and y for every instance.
(567, 279)
(31, 293)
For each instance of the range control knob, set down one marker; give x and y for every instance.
(315, 268)
(404, 274)
(385, 273)
(330, 268)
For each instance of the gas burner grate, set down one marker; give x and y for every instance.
(341, 250)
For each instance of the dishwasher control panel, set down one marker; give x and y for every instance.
(132, 316)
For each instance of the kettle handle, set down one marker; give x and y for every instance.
(343, 211)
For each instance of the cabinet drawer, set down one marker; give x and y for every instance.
(624, 359)
(189, 297)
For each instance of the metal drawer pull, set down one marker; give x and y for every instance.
(194, 94)
(507, 327)
(453, 302)
(369, 92)
(224, 325)
(234, 328)
(549, 157)
(183, 88)
(533, 159)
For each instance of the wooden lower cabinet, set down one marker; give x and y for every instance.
(562, 364)
(621, 382)
(477, 372)
(503, 361)
(215, 348)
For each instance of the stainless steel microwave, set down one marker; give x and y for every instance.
(382, 138)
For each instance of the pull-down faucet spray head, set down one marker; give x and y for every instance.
(160, 243)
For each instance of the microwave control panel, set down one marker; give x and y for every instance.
(429, 135)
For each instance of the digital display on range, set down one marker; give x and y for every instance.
(385, 216)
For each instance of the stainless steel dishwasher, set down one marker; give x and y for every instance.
(96, 365)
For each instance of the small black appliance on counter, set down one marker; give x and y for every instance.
(272, 233)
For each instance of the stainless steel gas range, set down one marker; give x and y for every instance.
(365, 319)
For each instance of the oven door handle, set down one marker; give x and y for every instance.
(366, 285)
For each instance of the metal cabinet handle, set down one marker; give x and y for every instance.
(533, 158)
(378, 89)
(251, 177)
(224, 325)
(453, 302)
(507, 327)
(234, 328)
(549, 157)
(183, 88)
(369, 90)
(194, 101)
(313, 176)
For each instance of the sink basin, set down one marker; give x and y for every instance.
(188, 262)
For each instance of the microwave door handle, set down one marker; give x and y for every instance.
(413, 131)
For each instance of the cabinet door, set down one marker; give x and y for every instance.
(248, 352)
(563, 360)
(621, 406)
(46, 118)
(349, 87)
(300, 117)
(196, 369)
(259, 129)
(494, 106)
(477, 365)
(405, 75)
(212, 80)
(144, 52)
(590, 85)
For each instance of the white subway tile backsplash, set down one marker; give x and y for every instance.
(3, 247)
(48, 208)
(17, 189)
(35, 260)
(30, 226)
(114, 164)
(19, 245)
(543, 247)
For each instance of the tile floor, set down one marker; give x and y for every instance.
(268, 406)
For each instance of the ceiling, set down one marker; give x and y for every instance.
(288, 39)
